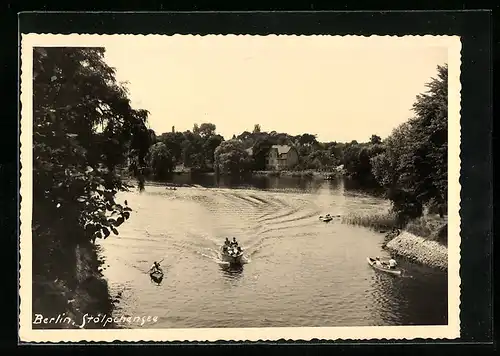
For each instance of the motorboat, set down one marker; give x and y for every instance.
(231, 254)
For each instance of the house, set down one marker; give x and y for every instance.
(282, 157)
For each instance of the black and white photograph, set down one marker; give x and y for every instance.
(239, 187)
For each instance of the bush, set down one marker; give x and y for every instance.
(419, 227)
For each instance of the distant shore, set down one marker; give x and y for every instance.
(296, 174)
(274, 173)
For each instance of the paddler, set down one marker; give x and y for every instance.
(155, 267)
(234, 242)
(227, 243)
(392, 263)
(378, 263)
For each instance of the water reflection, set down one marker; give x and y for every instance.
(401, 300)
(293, 184)
(232, 271)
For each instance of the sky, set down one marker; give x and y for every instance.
(338, 88)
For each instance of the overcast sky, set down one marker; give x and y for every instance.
(340, 89)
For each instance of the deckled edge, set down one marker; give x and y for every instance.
(459, 193)
(30, 332)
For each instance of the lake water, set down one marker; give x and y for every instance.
(300, 271)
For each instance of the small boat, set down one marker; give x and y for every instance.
(371, 262)
(156, 276)
(327, 218)
(232, 255)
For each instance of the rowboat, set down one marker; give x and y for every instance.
(371, 262)
(326, 218)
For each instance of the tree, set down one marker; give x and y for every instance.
(430, 143)
(152, 136)
(231, 158)
(161, 160)
(413, 167)
(358, 164)
(207, 129)
(245, 135)
(192, 153)
(307, 139)
(83, 130)
(196, 129)
(210, 145)
(260, 151)
(374, 140)
(173, 141)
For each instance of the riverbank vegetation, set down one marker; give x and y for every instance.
(411, 166)
(83, 130)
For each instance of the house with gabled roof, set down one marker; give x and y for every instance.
(282, 157)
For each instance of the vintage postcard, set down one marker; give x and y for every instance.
(244, 188)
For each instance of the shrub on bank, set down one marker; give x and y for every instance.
(419, 227)
(430, 227)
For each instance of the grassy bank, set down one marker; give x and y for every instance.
(423, 240)
(87, 293)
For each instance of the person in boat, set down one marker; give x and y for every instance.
(227, 242)
(239, 249)
(156, 267)
(234, 242)
(392, 263)
(378, 263)
(225, 248)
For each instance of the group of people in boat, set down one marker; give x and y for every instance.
(231, 247)
(391, 264)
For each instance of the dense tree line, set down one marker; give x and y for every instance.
(203, 150)
(84, 129)
(413, 167)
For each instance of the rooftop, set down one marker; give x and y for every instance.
(282, 149)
